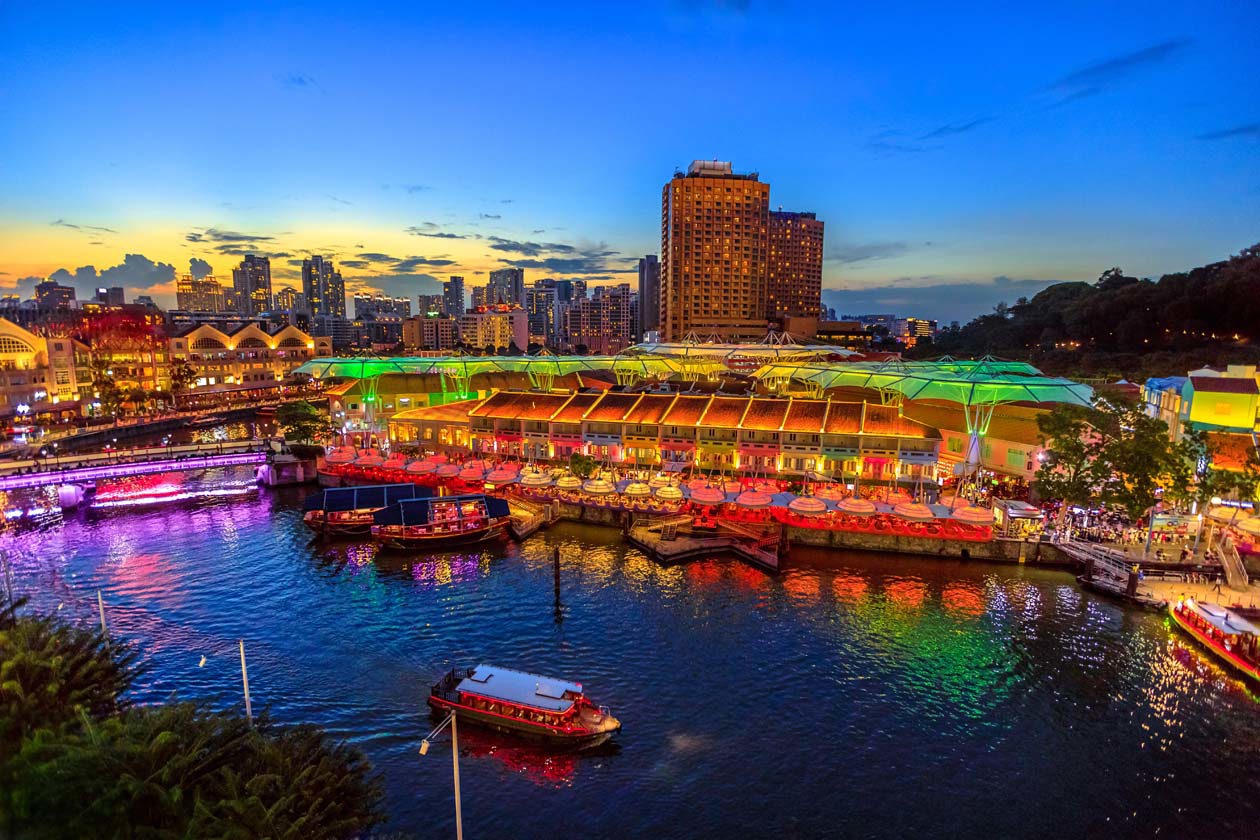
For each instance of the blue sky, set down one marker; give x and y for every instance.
(944, 149)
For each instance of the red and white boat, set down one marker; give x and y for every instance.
(1229, 637)
(541, 708)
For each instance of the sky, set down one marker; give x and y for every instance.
(959, 155)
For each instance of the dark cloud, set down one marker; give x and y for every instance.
(539, 230)
(1095, 78)
(25, 286)
(400, 265)
(506, 200)
(97, 228)
(398, 285)
(489, 216)
(862, 252)
(432, 231)
(199, 268)
(351, 263)
(955, 128)
(530, 249)
(1247, 130)
(136, 271)
(410, 264)
(944, 302)
(232, 250)
(216, 235)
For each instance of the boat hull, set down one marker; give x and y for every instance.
(410, 543)
(508, 726)
(339, 529)
(1225, 657)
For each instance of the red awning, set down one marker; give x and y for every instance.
(678, 445)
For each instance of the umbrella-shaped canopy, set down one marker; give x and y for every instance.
(697, 483)
(974, 515)
(766, 487)
(855, 505)
(500, 475)
(472, 473)
(369, 461)
(340, 456)
(1250, 525)
(394, 462)
(476, 464)
(914, 510)
(668, 493)
(708, 496)
(808, 505)
(535, 479)
(1224, 513)
(438, 459)
(637, 489)
(658, 480)
(568, 482)
(753, 499)
(421, 467)
(730, 485)
(897, 497)
(448, 470)
(834, 492)
(599, 487)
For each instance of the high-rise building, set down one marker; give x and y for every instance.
(715, 232)
(113, 296)
(199, 294)
(911, 330)
(796, 264)
(479, 297)
(604, 322)
(323, 287)
(506, 285)
(495, 326)
(453, 294)
(252, 282)
(290, 299)
(50, 294)
(366, 305)
(432, 331)
(649, 294)
(431, 303)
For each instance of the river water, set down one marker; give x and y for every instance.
(852, 695)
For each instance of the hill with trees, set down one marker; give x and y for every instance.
(1125, 326)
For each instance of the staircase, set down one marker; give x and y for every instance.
(1235, 571)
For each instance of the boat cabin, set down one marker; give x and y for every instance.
(441, 515)
(1234, 633)
(340, 501)
(520, 695)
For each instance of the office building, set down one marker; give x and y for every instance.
(431, 303)
(649, 295)
(52, 295)
(430, 331)
(113, 296)
(252, 282)
(199, 294)
(602, 323)
(366, 305)
(453, 295)
(497, 327)
(796, 266)
(323, 287)
(715, 229)
(290, 299)
(506, 285)
(909, 331)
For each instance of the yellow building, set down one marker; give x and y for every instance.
(246, 358)
(41, 375)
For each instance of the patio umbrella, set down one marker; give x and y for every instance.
(753, 499)
(668, 493)
(472, 474)
(501, 475)
(974, 515)
(340, 456)
(658, 480)
(766, 487)
(1250, 525)
(396, 462)
(369, 461)
(708, 496)
(438, 459)
(914, 510)
(568, 482)
(598, 487)
(862, 507)
(730, 485)
(834, 492)
(897, 497)
(808, 505)
(535, 479)
(476, 464)
(697, 483)
(421, 467)
(448, 470)
(637, 489)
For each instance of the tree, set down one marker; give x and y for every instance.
(183, 375)
(300, 421)
(581, 465)
(1137, 459)
(106, 389)
(1069, 471)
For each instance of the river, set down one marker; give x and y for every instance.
(852, 695)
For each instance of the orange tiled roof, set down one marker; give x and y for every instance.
(650, 409)
(575, 409)
(725, 412)
(844, 418)
(887, 420)
(805, 416)
(612, 408)
(765, 415)
(686, 411)
(448, 413)
(520, 405)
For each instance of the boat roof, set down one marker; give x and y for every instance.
(1224, 620)
(360, 498)
(419, 511)
(520, 687)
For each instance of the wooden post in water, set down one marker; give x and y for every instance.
(249, 711)
(100, 603)
(559, 610)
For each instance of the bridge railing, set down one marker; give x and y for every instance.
(122, 456)
(99, 472)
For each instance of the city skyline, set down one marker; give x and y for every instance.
(942, 181)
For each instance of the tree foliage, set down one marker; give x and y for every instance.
(300, 421)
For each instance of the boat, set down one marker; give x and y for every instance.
(266, 411)
(445, 520)
(1229, 637)
(347, 511)
(212, 420)
(529, 705)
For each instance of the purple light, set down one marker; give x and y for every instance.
(18, 482)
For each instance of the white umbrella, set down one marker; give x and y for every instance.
(753, 499)
(568, 482)
(637, 489)
(421, 467)
(834, 492)
(598, 487)
(708, 496)
(472, 474)
(914, 510)
(500, 475)
(448, 470)
(535, 479)
(669, 493)
(658, 480)
(808, 505)
(974, 515)
(861, 507)
(369, 461)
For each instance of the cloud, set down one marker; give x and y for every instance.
(888, 148)
(233, 250)
(97, 228)
(23, 286)
(216, 235)
(410, 264)
(298, 80)
(1247, 130)
(489, 216)
(956, 128)
(433, 231)
(951, 301)
(340, 200)
(1095, 78)
(199, 267)
(398, 285)
(376, 257)
(506, 200)
(400, 265)
(530, 249)
(412, 189)
(136, 272)
(862, 252)
(354, 263)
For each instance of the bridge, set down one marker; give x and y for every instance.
(88, 469)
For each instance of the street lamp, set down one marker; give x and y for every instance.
(424, 750)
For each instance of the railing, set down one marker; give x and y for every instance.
(1235, 571)
(1106, 561)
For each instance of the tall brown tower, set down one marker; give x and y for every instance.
(796, 263)
(715, 251)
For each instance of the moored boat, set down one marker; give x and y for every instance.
(1232, 639)
(445, 520)
(542, 708)
(348, 511)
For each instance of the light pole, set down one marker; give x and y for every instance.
(424, 749)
